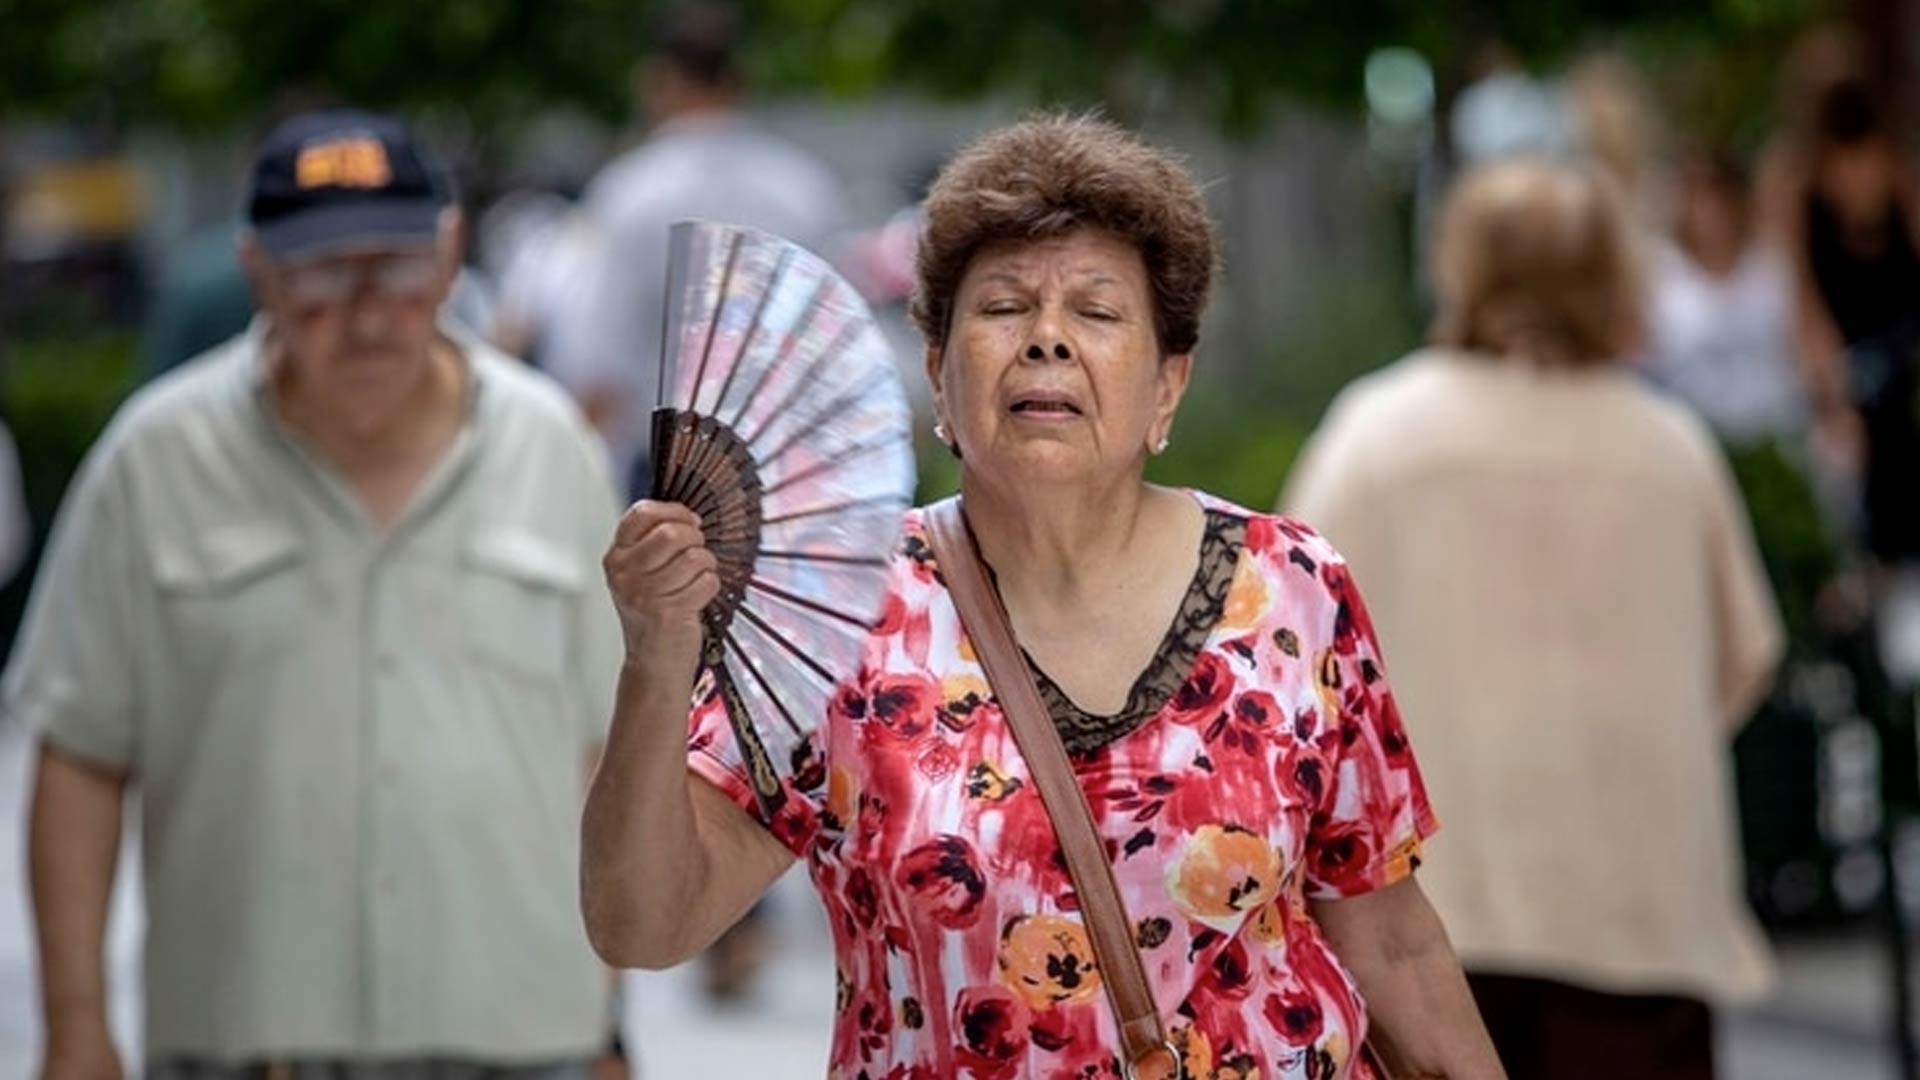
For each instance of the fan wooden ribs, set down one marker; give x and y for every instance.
(782, 424)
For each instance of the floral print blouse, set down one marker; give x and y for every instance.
(1260, 763)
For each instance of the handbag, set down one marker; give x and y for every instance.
(1143, 1036)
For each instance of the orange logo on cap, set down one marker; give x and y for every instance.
(358, 161)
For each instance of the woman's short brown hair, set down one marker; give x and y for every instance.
(1537, 259)
(1049, 175)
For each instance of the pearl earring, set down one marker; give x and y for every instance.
(1161, 446)
(940, 431)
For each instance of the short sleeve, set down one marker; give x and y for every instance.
(72, 676)
(1367, 832)
(715, 755)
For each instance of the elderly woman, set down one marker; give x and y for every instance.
(1211, 671)
(1559, 560)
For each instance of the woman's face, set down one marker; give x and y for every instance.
(1052, 371)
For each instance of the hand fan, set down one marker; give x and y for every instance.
(782, 423)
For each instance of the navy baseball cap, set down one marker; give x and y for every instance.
(344, 180)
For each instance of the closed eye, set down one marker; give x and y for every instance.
(1002, 307)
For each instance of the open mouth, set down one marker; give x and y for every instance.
(1046, 406)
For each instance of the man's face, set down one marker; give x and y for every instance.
(353, 331)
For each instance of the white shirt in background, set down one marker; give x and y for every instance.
(1725, 345)
(715, 168)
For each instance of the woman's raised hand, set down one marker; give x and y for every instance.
(661, 576)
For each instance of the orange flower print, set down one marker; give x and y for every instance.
(960, 699)
(843, 791)
(1196, 1051)
(1326, 672)
(1247, 598)
(1224, 872)
(1269, 925)
(986, 781)
(1048, 961)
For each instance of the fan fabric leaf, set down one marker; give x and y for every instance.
(782, 422)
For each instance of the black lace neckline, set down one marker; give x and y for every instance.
(1200, 611)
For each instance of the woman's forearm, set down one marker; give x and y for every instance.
(667, 862)
(1423, 1018)
(639, 870)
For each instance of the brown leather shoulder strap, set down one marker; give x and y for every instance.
(1145, 1048)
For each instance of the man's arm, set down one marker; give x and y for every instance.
(73, 848)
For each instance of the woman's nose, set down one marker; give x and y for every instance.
(1060, 351)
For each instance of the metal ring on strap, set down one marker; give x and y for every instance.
(1130, 1072)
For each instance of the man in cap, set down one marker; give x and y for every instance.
(324, 600)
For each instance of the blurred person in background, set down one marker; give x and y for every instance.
(702, 159)
(541, 256)
(203, 298)
(1852, 208)
(1722, 335)
(1578, 623)
(320, 597)
(1189, 652)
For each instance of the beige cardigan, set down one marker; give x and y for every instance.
(1575, 621)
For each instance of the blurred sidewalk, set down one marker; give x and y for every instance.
(1825, 1022)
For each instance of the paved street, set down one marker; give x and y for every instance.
(1822, 1024)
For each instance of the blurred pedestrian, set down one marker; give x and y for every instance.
(319, 600)
(1722, 336)
(1210, 672)
(1852, 213)
(703, 159)
(542, 256)
(1564, 577)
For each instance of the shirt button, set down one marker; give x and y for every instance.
(385, 663)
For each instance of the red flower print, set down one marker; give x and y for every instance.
(809, 770)
(1052, 1029)
(861, 897)
(1205, 692)
(893, 616)
(1302, 775)
(938, 763)
(1263, 535)
(944, 876)
(1342, 855)
(904, 705)
(1253, 716)
(850, 702)
(1297, 1015)
(1232, 971)
(992, 1024)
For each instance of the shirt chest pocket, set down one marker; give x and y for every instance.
(232, 593)
(519, 595)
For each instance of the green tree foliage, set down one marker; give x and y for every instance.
(204, 63)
